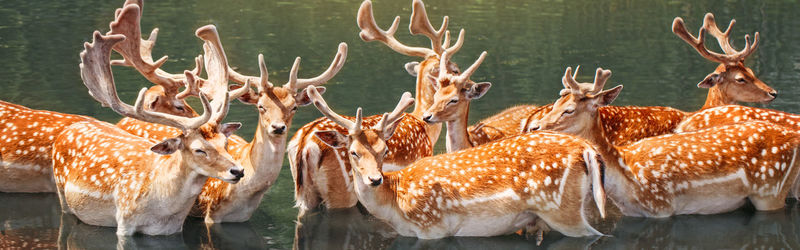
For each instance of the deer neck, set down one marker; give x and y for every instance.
(457, 136)
(263, 160)
(619, 179)
(380, 201)
(175, 180)
(716, 97)
(424, 100)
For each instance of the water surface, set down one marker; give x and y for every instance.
(529, 44)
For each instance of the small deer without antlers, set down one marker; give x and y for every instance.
(319, 172)
(108, 177)
(702, 172)
(492, 189)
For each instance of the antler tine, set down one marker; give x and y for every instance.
(569, 81)
(292, 83)
(323, 108)
(333, 69)
(405, 101)
(443, 65)
(464, 76)
(136, 52)
(192, 86)
(575, 75)
(96, 74)
(371, 32)
(723, 38)
(600, 79)
(263, 83)
(420, 24)
(356, 129)
(451, 50)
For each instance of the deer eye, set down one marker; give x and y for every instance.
(261, 108)
(179, 108)
(453, 101)
(385, 153)
(740, 80)
(200, 152)
(568, 112)
(354, 154)
(294, 108)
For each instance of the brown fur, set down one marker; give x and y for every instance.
(27, 137)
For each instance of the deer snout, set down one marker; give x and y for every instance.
(774, 94)
(278, 128)
(236, 174)
(427, 117)
(375, 181)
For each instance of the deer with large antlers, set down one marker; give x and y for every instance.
(320, 173)
(451, 103)
(489, 190)
(108, 177)
(731, 82)
(262, 157)
(702, 172)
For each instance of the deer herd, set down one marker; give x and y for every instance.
(528, 167)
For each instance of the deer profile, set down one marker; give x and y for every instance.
(108, 177)
(700, 172)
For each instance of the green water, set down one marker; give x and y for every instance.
(529, 44)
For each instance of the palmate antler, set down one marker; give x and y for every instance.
(730, 56)
(137, 52)
(96, 74)
(420, 24)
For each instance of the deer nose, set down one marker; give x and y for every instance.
(427, 118)
(278, 128)
(238, 173)
(376, 181)
(774, 94)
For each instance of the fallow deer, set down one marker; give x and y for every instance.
(108, 177)
(320, 174)
(730, 83)
(262, 157)
(701, 172)
(731, 114)
(451, 103)
(493, 189)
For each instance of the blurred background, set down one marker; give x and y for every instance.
(530, 43)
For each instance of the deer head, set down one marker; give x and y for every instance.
(454, 92)
(202, 142)
(366, 147)
(731, 82)
(576, 111)
(277, 104)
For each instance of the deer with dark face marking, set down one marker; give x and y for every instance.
(108, 177)
(701, 172)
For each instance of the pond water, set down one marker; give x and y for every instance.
(529, 44)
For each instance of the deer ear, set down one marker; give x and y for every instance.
(412, 68)
(331, 138)
(251, 97)
(303, 99)
(167, 146)
(388, 131)
(608, 96)
(710, 80)
(227, 129)
(152, 104)
(478, 90)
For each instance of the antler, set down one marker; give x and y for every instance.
(464, 76)
(600, 78)
(569, 82)
(371, 32)
(192, 87)
(96, 74)
(352, 127)
(137, 52)
(731, 56)
(298, 83)
(397, 114)
(216, 63)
